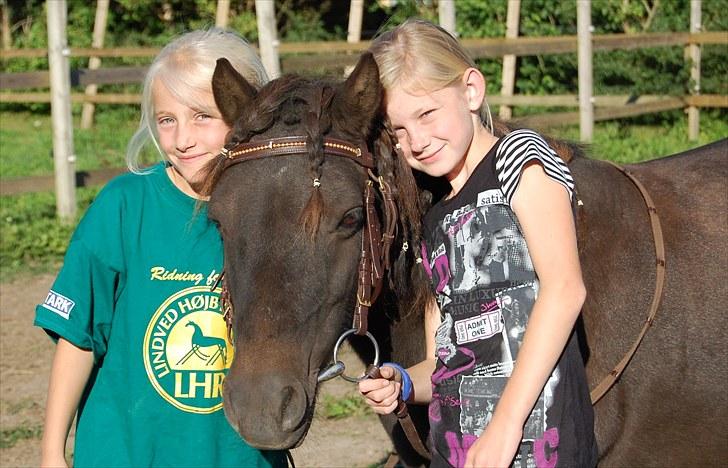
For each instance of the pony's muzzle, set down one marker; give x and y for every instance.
(282, 403)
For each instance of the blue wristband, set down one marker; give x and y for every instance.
(406, 380)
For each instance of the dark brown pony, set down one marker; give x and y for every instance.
(292, 248)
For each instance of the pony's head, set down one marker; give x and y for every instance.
(292, 224)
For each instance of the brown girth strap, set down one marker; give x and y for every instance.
(607, 382)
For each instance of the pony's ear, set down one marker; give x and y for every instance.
(231, 90)
(361, 94)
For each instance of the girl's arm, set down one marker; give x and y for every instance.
(543, 208)
(381, 394)
(69, 374)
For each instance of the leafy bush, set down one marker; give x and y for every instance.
(31, 237)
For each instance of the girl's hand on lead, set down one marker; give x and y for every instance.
(496, 446)
(382, 394)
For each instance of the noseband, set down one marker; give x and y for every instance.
(375, 244)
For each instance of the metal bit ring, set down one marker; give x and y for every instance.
(376, 354)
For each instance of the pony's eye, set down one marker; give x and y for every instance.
(353, 220)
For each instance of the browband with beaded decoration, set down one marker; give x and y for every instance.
(290, 145)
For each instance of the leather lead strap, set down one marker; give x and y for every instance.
(607, 382)
(404, 418)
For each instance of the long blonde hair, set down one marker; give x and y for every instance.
(420, 56)
(185, 67)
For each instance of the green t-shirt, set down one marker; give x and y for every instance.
(135, 288)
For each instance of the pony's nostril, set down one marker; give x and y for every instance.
(293, 408)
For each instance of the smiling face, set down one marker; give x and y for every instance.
(189, 137)
(440, 131)
(434, 129)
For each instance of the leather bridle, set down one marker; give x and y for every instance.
(377, 238)
(376, 243)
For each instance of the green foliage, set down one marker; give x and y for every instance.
(30, 234)
(628, 141)
(346, 407)
(26, 146)
(659, 70)
(245, 23)
(10, 437)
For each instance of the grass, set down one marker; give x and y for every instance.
(32, 240)
(10, 437)
(26, 141)
(26, 404)
(624, 141)
(345, 407)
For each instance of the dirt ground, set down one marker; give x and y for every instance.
(25, 358)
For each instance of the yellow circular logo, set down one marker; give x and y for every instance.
(186, 350)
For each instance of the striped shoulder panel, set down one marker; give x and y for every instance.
(518, 148)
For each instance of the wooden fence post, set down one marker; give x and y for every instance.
(5, 12)
(513, 17)
(222, 14)
(446, 13)
(356, 16)
(102, 12)
(63, 158)
(268, 37)
(584, 48)
(694, 56)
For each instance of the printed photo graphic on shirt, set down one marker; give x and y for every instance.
(478, 325)
(59, 304)
(548, 392)
(515, 305)
(486, 247)
(437, 267)
(479, 397)
(186, 350)
(443, 343)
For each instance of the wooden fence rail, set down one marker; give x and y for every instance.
(554, 100)
(305, 56)
(479, 48)
(79, 77)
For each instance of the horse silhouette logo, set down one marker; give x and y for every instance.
(201, 341)
(186, 351)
